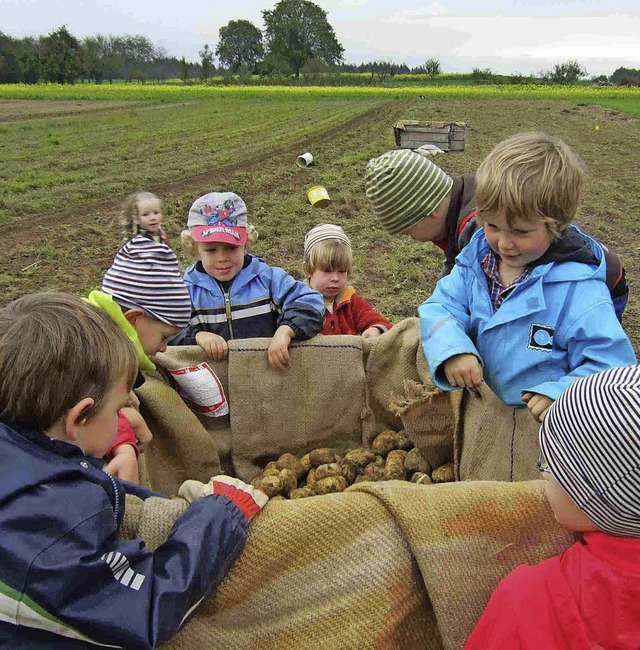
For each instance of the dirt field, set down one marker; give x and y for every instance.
(68, 248)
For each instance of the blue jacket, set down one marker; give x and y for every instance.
(66, 581)
(258, 300)
(555, 327)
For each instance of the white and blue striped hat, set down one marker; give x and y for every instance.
(590, 439)
(145, 275)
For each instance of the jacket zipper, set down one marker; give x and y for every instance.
(116, 507)
(227, 309)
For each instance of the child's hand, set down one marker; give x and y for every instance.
(463, 370)
(213, 344)
(537, 404)
(140, 428)
(278, 352)
(371, 333)
(124, 464)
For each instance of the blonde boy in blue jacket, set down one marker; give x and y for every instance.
(526, 308)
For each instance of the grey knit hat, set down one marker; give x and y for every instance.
(403, 187)
(322, 232)
(590, 439)
(145, 275)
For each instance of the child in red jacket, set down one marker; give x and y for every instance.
(328, 261)
(588, 596)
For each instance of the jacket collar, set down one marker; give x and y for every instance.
(197, 276)
(342, 298)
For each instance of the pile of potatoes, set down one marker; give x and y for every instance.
(392, 457)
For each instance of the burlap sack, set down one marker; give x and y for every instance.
(384, 565)
(403, 396)
(493, 441)
(320, 400)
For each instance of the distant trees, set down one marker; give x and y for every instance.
(206, 63)
(623, 76)
(565, 73)
(298, 30)
(61, 59)
(432, 67)
(240, 45)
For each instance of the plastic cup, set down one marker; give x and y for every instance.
(318, 196)
(305, 159)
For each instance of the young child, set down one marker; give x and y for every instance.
(327, 262)
(589, 596)
(411, 195)
(525, 308)
(142, 215)
(145, 295)
(66, 369)
(236, 295)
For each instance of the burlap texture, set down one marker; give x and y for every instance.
(320, 400)
(494, 441)
(383, 565)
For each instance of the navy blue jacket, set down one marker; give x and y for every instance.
(257, 301)
(67, 582)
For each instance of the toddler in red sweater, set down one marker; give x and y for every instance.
(588, 596)
(327, 262)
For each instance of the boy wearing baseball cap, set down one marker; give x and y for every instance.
(589, 596)
(236, 295)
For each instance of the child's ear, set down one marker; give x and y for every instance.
(76, 417)
(133, 315)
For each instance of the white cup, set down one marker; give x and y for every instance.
(304, 159)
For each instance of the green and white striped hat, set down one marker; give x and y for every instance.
(403, 187)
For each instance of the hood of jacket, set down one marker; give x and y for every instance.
(195, 275)
(575, 248)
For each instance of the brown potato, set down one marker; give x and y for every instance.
(289, 461)
(270, 471)
(324, 456)
(416, 462)
(374, 472)
(421, 478)
(270, 485)
(389, 440)
(301, 493)
(278, 497)
(349, 471)
(329, 469)
(311, 476)
(394, 467)
(359, 457)
(443, 474)
(271, 465)
(305, 461)
(289, 480)
(330, 484)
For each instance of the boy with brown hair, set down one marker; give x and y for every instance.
(409, 194)
(66, 581)
(588, 596)
(526, 308)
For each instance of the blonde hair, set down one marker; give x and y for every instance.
(329, 255)
(530, 176)
(129, 213)
(55, 350)
(190, 245)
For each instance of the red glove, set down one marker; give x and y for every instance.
(249, 499)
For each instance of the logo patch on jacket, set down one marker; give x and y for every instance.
(541, 337)
(121, 570)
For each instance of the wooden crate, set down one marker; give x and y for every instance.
(411, 134)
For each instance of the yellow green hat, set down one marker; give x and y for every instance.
(403, 187)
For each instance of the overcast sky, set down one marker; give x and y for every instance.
(506, 37)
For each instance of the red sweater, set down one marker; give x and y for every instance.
(352, 314)
(126, 436)
(587, 597)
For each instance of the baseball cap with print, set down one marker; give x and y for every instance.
(219, 217)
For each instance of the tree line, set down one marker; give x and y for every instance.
(297, 39)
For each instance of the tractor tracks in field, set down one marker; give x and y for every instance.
(359, 125)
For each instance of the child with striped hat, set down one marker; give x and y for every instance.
(327, 262)
(589, 596)
(409, 194)
(145, 295)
